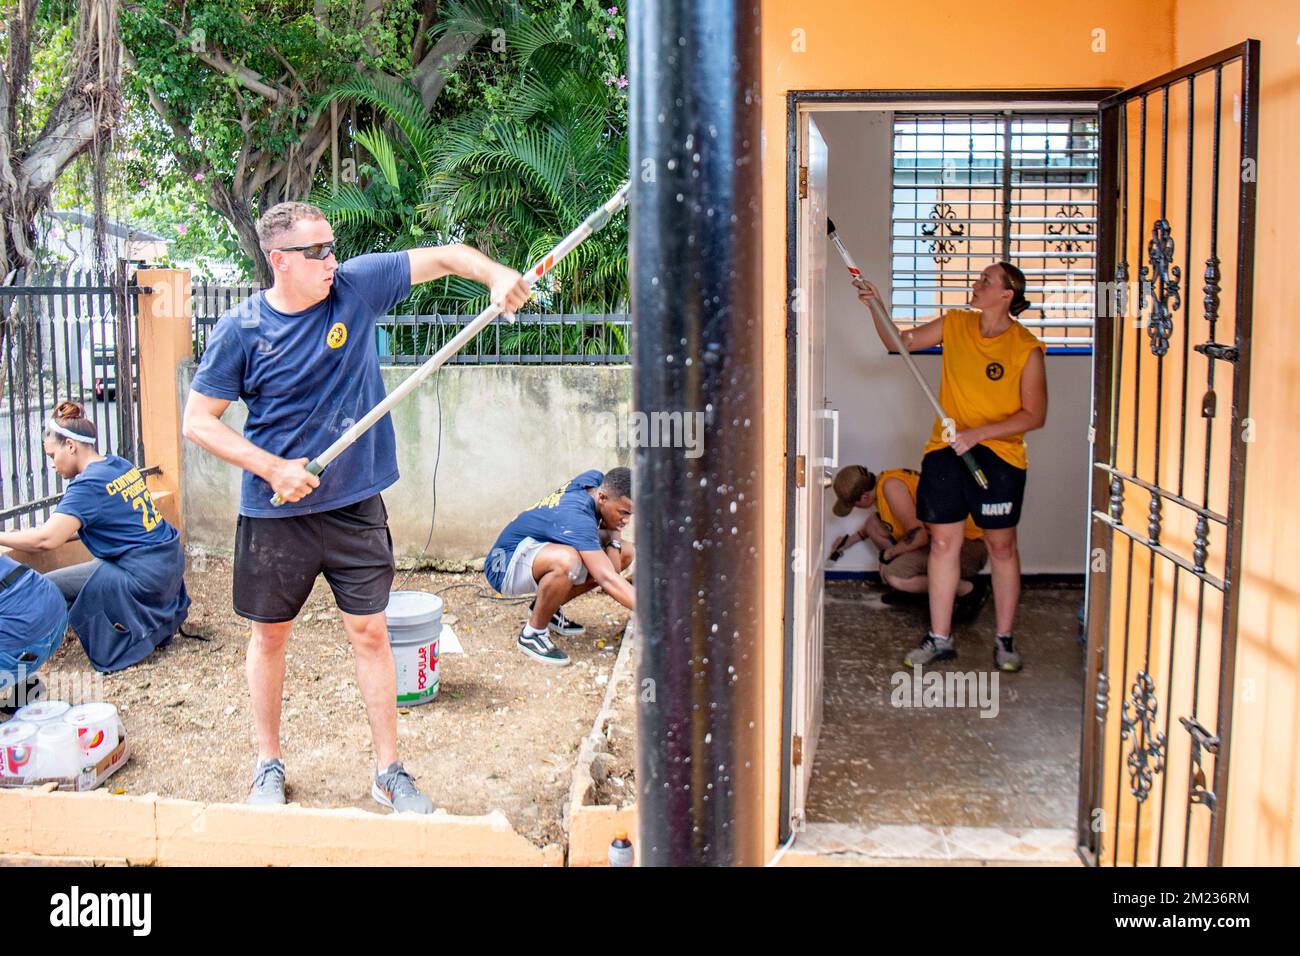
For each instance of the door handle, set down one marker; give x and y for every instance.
(834, 415)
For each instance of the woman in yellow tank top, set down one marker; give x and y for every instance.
(994, 389)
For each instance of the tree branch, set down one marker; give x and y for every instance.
(430, 74)
(249, 79)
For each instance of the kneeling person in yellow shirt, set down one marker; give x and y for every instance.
(901, 537)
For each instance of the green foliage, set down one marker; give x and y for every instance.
(528, 138)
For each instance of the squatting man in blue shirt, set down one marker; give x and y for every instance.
(563, 546)
(301, 356)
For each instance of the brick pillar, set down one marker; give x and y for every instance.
(166, 339)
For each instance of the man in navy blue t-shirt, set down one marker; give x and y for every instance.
(301, 355)
(563, 546)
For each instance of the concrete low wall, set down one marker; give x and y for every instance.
(510, 434)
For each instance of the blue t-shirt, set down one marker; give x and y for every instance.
(116, 510)
(28, 608)
(566, 516)
(307, 377)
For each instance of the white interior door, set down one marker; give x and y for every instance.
(811, 477)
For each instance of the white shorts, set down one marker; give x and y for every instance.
(519, 580)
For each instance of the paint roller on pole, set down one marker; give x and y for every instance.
(592, 224)
(897, 342)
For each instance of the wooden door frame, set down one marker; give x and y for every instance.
(798, 101)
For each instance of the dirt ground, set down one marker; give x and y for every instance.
(503, 732)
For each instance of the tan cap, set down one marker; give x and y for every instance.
(851, 483)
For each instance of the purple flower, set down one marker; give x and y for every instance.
(612, 10)
(181, 228)
(622, 81)
(609, 32)
(198, 177)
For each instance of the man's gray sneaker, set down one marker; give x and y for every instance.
(932, 648)
(1005, 654)
(396, 788)
(541, 648)
(268, 784)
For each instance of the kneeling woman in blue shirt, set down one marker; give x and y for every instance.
(132, 597)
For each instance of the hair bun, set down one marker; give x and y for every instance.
(67, 410)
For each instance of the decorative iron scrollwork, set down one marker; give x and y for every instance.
(1201, 543)
(1197, 792)
(941, 247)
(1153, 520)
(1146, 757)
(1068, 213)
(1116, 498)
(1102, 699)
(1211, 290)
(1161, 282)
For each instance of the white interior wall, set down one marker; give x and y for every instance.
(884, 418)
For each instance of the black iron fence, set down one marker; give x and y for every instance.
(60, 335)
(543, 333)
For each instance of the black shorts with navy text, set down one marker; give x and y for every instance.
(277, 561)
(948, 491)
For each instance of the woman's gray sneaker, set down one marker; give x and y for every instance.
(268, 784)
(932, 648)
(396, 788)
(1005, 655)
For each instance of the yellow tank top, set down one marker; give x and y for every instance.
(911, 479)
(980, 382)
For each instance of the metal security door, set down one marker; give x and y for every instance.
(1171, 426)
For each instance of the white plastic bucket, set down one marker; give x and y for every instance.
(57, 752)
(18, 749)
(96, 725)
(43, 711)
(414, 626)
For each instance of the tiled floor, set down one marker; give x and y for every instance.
(943, 782)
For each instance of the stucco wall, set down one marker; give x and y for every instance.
(510, 434)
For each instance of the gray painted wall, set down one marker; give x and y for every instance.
(884, 418)
(510, 434)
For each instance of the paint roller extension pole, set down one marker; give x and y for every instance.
(976, 472)
(592, 224)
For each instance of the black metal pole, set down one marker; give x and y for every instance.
(696, 291)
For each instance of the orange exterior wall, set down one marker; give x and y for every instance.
(1264, 772)
(867, 44)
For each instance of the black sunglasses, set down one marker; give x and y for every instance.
(317, 250)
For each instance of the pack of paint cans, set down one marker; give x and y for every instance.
(97, 729)
(18, 749)
(49, 741)
(414, 629)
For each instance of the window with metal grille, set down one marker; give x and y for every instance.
(970, 189)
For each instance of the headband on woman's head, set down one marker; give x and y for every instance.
(53, 426)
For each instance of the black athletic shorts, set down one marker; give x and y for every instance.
(948, 491)
(277, 561)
